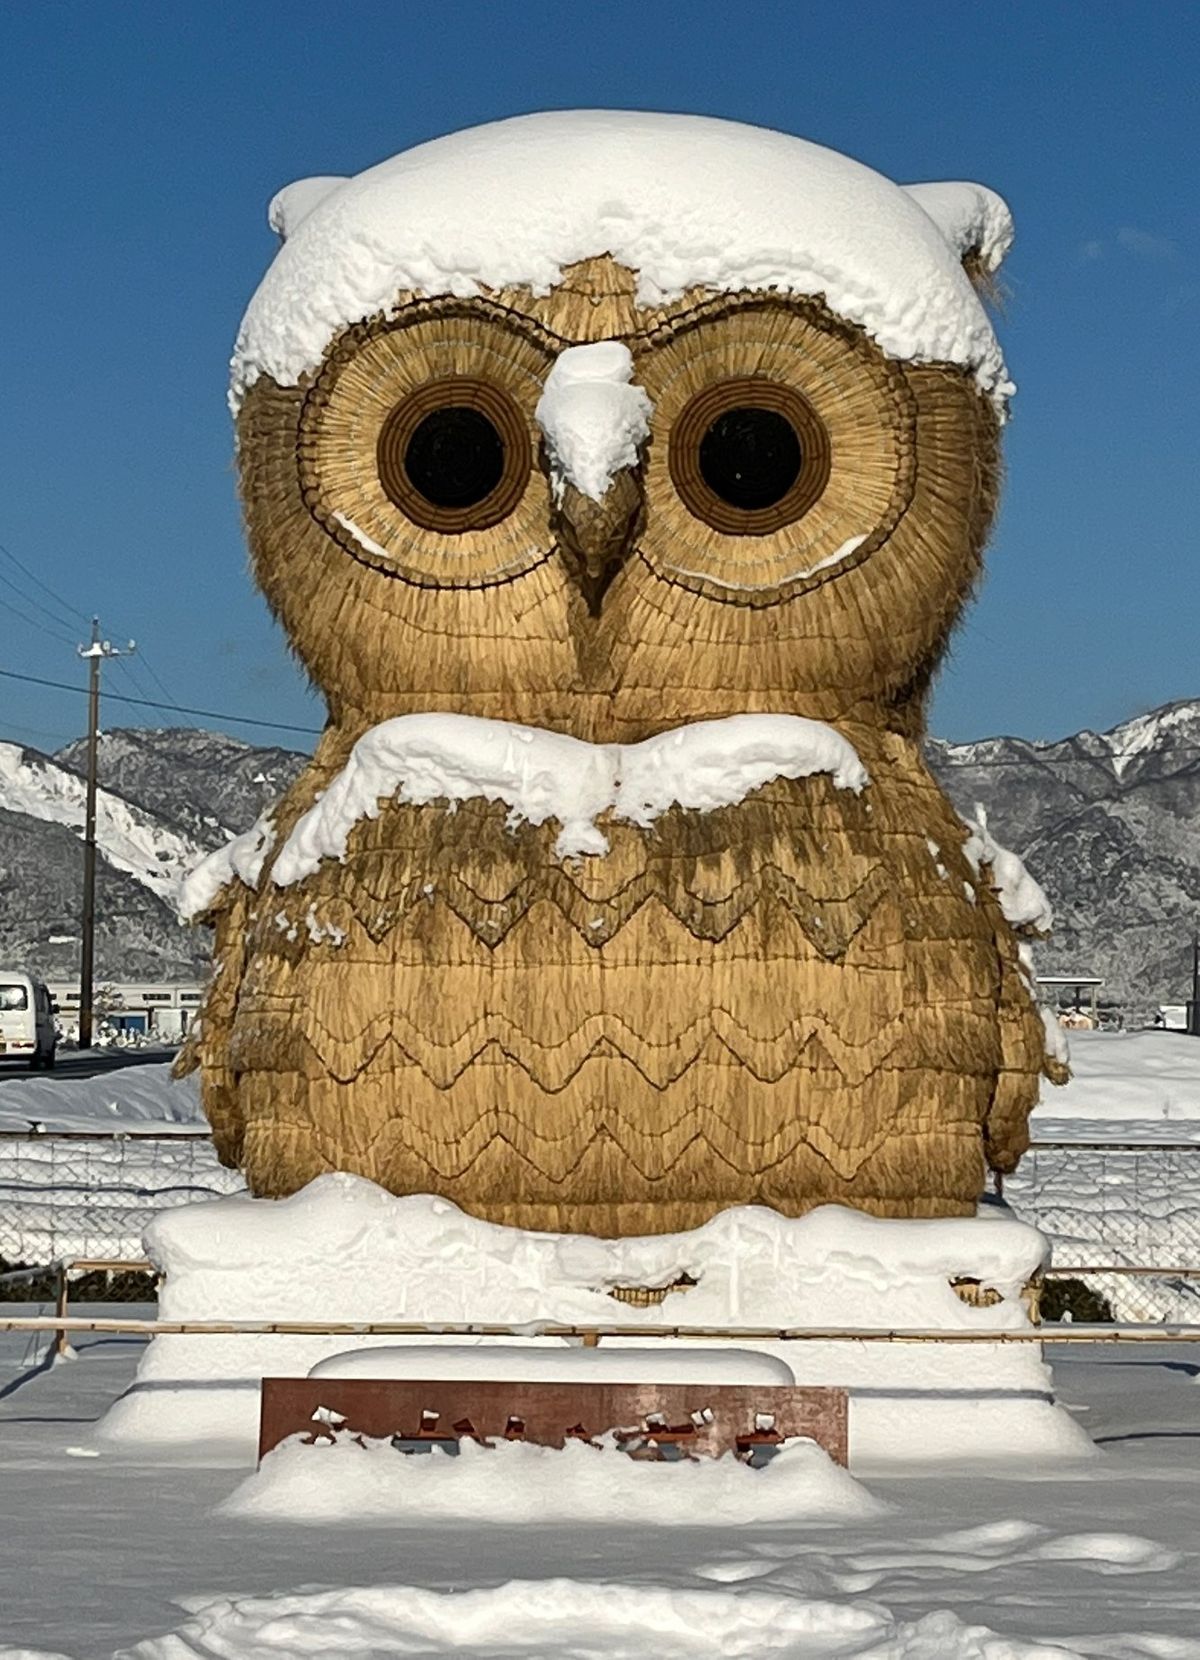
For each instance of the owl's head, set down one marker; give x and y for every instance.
(607, 421)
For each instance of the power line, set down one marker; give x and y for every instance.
(134, 668)
(72, 615)
(175, 708)
(127, 667)
(29, 600)
(58, 619)
(53, 633)
(157, 679)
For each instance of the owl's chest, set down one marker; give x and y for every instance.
(804, 913)
(800, 871)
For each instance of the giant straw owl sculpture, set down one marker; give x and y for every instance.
(618, 479)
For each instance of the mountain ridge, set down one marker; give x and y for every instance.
(1109, 823)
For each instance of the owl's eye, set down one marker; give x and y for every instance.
(749, 455)
(455, 455)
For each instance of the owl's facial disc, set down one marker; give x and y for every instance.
(781, 456)
(418, 446)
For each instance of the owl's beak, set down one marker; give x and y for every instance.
(595, 422)
(596, 537)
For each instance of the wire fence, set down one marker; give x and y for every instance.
(1118, 1205)
(1126, 1215)
(91, 1194)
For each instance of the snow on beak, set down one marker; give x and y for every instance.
(595, 423)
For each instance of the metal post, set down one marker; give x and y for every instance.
(88, 952)
(95, 652)
(62, 1342)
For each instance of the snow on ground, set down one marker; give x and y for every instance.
(129, 1099)
(1125, 1086)
(112, 1550)
(349, 1482)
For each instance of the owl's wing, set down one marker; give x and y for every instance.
(1023, 1057)
(227, 910)
(208, 1044)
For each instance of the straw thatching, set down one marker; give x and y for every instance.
(809, 997)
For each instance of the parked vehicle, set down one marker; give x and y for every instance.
(27, 1028)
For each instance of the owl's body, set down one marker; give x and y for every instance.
(803, 993)
(788, 1002)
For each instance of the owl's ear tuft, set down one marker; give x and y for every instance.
(975, 222)
(296, 201)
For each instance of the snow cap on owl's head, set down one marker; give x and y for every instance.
(684, 201)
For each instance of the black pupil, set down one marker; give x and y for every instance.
(455, 457)
(750, 457)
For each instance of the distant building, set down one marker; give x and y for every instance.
(1073, 997)
(143, 1008)
(1172, 1017)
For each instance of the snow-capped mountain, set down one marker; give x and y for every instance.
(165, 798)
(1109, 822)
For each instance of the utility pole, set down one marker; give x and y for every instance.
(1193, 1024)
(95, 653)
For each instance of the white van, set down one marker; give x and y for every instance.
(27, 1029)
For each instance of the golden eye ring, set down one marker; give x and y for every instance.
(455, 455)
(749, 455)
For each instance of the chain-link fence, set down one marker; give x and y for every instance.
(92, 1194)
(1132, 1206)
(1103, 1205)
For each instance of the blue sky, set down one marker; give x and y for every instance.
(142, 142)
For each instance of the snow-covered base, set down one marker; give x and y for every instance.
(661, 1364)
(569, 1619)
(346, 1248)
(348, 1482)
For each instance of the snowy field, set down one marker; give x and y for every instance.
(187, 1555)
(131, 1099)
(1125, 1086)
(106, 1553)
